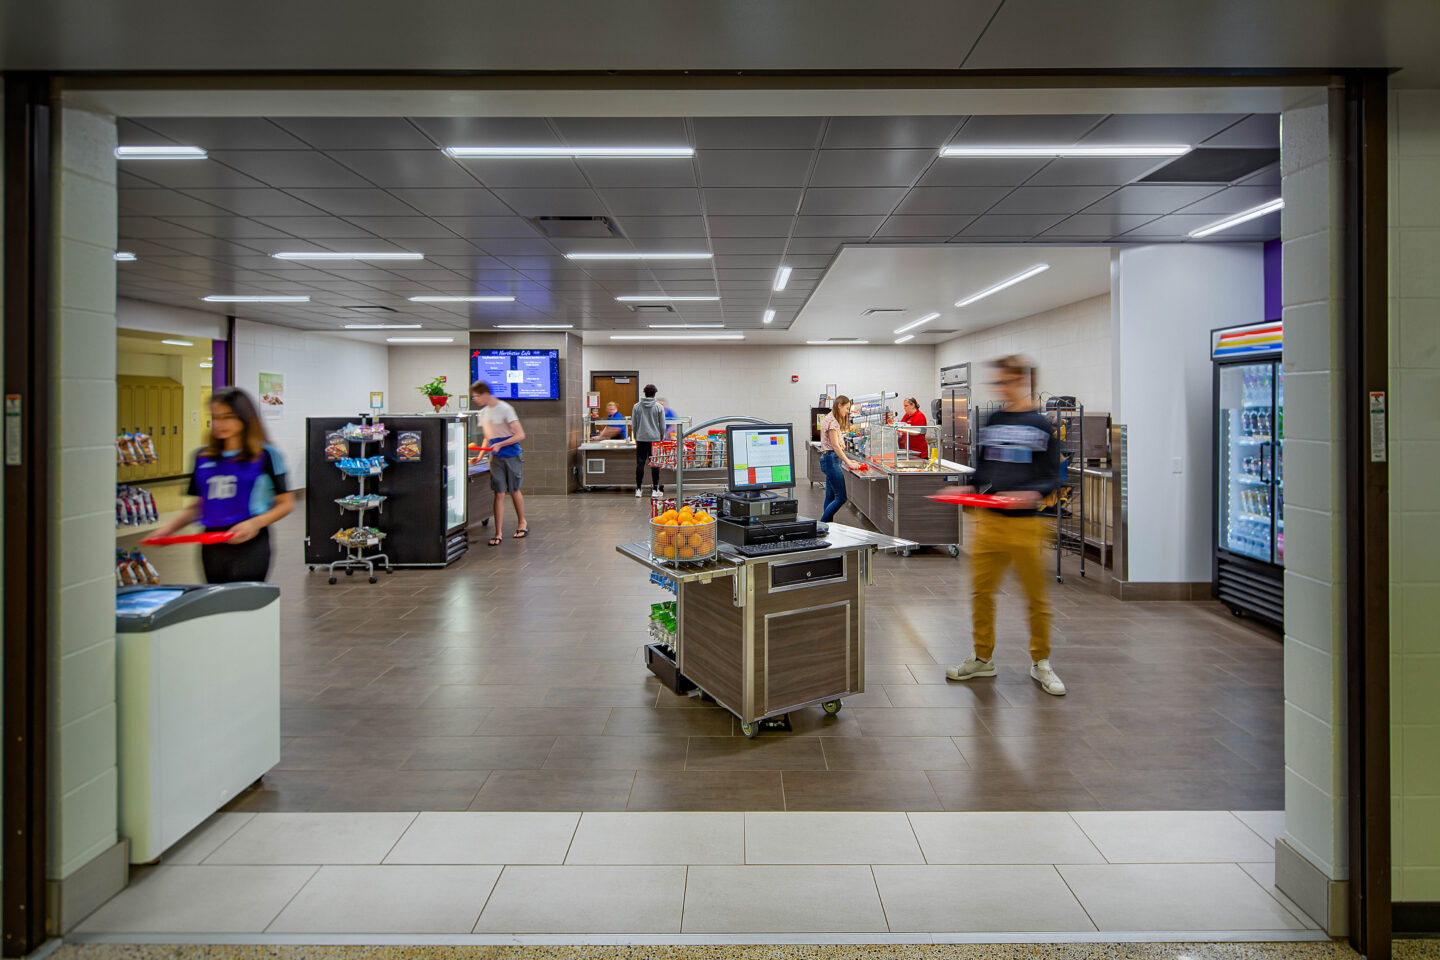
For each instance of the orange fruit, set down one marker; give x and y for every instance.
(686, 553)
(669, 553)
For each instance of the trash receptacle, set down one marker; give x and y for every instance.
(198, 692)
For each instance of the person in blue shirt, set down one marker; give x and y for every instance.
(239, 480)
(613, 426)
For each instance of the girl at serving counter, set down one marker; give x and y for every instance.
(833, 461)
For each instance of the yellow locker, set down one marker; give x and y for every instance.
(153, 405)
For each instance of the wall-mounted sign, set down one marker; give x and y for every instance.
(272, 395)
(1377, 427)
(377, 399)
(1243, 341)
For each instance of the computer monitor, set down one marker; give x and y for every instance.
(761, 456)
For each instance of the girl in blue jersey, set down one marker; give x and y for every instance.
(240, 482)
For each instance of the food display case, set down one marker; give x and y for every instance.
(611, 463)
(892, 490)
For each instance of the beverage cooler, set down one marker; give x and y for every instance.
(1249, 419)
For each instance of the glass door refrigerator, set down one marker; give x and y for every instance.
(1249, 505)
(954, 414)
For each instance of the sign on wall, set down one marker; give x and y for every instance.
(272, 396)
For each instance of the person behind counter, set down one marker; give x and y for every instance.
(647, 420)
(1019, 457)
(613, 425)
(833, 461)
(503, 434)
(914, 418)
(240, 482)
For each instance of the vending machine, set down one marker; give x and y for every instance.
(1249, 505)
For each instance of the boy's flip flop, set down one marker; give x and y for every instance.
(520, 534)
(496, 541)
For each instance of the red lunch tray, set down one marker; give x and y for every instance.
(978, 500)
(205, 538)
(480, 449)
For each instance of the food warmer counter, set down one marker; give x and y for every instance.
(893, 487)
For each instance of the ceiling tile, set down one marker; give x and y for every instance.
(637, 227)
(357, 203)
(1268, 177)
(453, 202)
(230, 228)
(676, 275)
(748, 260)
(405, 168)
(869, 168)
(255, 203)
(767, 133)
(1168, 128)
(402, 227)
(623, 131)
(750, 226)
(1256, 130)
(129, 181)
(289, 168)
(1026, 225)
(221, 133)
(487, 131)
(851, 201)
(837, 226)
(889, 132)
(161, 203)
(616, 172)
(507, 248)
(818, 246)
(356, 133)
(775, 245)
(553, 203)
(1094, 171)
(1025, 130)
(923, 226)
(1233, 200)
(950, 201)
(452, 245)
(1090, 226)
(543, 173)
(1179, 226)
(313, 228)
(1049, 200)
(1145, 198)
(753, 168)
(657, 202)
(482, 227)
(980, 171)
(209, 247)
(183, 176)
(144, 227)
(757, 201)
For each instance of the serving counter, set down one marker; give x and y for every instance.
(767, 635)
(611, 463)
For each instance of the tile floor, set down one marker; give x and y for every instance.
(512, 681)
(476, 876)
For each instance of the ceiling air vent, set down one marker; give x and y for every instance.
(576, 227)
(652, 308)
(874, 311)
(1214, 165)
(369, 306)
(933, 332)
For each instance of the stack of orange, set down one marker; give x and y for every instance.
(684, 534)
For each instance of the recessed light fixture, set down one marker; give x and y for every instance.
(179, 343)
(331, 255)
(160, 152)
(915, 323)
(782, 277)
(638, 256)
(686, 326)
(769, 316)
(122, 255)
(248, 298)
(843, 342)
(464, 153)
(907, 337)
(1018, 278)
(461, 299)
(657, 299)
(1074, 150)
(382, 326)
(419, 339)
(534, 326)
(679, 336)
(1244, 216)
(207, 366)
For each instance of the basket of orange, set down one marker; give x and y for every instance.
(686, 535)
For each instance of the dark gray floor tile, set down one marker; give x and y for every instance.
(525, 790)
(849, 790)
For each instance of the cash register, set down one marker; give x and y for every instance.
(754, 520)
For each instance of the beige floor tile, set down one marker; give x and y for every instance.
(389, 899)
(189, 899)
(659, 838)
(782, 899)
(979, 899)
(1269, 824)
(585, 900)
(1264, 874)
(814, 838)
(199, 843)
(481, 837)
(976, 838)
(1175, 897)
(1173, 836)
(319, 838)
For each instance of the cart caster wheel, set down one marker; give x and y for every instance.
(750, 730)
(333, 581)
(372, 579)
(1236, 611)
(349, 572)
(389, 569)
(311, 569)
(905, 552)
(954, 551)
(831, 707)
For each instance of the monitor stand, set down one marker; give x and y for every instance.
(753, 495)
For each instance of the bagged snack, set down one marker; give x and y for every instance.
(145, 448)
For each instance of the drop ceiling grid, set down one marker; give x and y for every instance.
(216, 230)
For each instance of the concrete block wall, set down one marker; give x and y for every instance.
(83, 774)
(1414, 433)
(548, 450)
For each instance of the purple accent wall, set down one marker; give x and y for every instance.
(1272, 280)
(220, 356)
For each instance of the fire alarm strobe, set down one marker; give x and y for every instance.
(794, 378)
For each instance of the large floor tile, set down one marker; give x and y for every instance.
(478, 837)
(199, 843)
(820, 790)
(979, 899)
(782, 899)
(555, 790)
(707, 790)
(892, 753)
(1175, 897)
(402, 790)
(1047, 790)
(659, 838)
(1002, 838)
(189, 899)
(318, 838)
(817, 838)
(1268, 824)
(1264, 874)
(389, 899)
(1172, 836)
(591, 900)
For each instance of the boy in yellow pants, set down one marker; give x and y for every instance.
(1019, 458)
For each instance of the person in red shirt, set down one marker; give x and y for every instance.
(913, 417)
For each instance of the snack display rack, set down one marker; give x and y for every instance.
(693, 453)
(358, 539)
(1069, 508)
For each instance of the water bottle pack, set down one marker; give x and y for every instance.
(134, 506)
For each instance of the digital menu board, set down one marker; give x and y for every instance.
(518, 374)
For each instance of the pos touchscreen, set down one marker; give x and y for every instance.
(761, 456)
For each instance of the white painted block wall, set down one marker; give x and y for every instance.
(409, 367)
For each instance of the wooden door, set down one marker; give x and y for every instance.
(621, 386)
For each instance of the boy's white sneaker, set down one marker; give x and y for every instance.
(972, 668)
(1043, 674)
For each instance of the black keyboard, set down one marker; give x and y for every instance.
(784, 546)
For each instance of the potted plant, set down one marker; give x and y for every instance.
(435, 390)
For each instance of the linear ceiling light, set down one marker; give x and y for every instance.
(686, 326)
(461, 299)
(1074, 150)
(245, 298)
(160, 152)
(674, 336)
(419, 339)
(845, 342)
(330, 255)
(464, 153)
(122, 255)
(782, 277)
(907, 337)
(769, 316)
(179, 343)
(1239, 218)
(382, 326)
(534, 326)
(657, 299)
(1039, 268)
(638, 256)
(915, 323)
